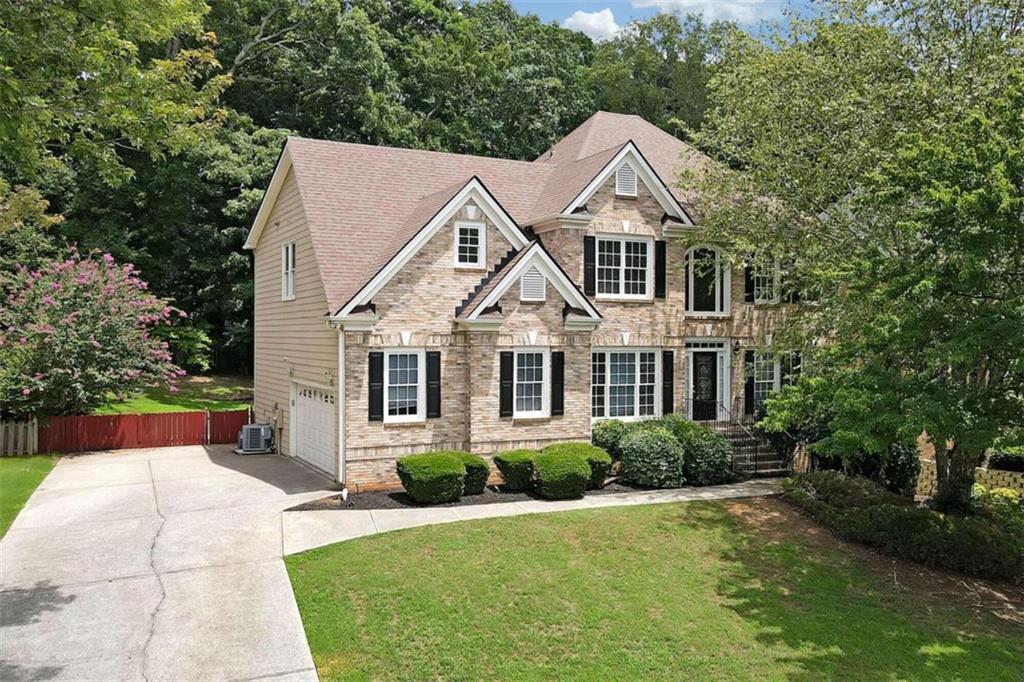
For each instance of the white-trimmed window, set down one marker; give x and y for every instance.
(404, 386)
(624, 268)
(470, 244)
(767, 377)
(707, 281)
(766, 283)
(532, 285)
(625, 181)
(624, 383)
(532, 383)
(288, 271)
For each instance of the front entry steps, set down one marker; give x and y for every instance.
(753, 457)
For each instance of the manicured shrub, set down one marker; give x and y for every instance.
(596, 458)
(1007, 459)
(477, 473)
(432, 477)
(653, 458)
(561, 476)
(707, 454)
(516, 467)
(607, 434)
(989, 544)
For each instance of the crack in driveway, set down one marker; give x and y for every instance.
(159, 579)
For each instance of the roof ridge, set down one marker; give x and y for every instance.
(410, 150)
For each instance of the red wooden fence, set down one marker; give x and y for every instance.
(115, 432)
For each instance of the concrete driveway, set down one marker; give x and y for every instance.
(159, 564)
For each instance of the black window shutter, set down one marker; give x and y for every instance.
(748, 283)
(589, 266)
(433, 384)
(557, 383)
(376, 364)
(668, 370)
(659, 269)
(748, 389)
(505, 390)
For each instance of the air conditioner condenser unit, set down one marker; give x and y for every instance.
(255, 439)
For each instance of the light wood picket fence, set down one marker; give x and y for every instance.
(19, 437)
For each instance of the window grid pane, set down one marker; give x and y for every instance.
(597, 384)
(622, 384)
(609, 264)
(764, 376)
(403, 384)
(529, 382)
(647, 382)
(469, 244)
(635, 273)
(764, 285)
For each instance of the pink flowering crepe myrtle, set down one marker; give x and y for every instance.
(78, 331)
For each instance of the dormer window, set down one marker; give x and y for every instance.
(470, 244)
(625, 181)
(532, 286)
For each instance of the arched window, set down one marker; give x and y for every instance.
(707, 281)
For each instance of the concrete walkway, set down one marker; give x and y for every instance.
(308, 529)
(159, 564)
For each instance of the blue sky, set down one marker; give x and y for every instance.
(601, 18)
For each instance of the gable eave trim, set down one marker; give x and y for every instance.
(284, 164)
(474, 189)
(646, 172)
(550, 269)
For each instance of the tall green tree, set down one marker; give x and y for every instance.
(82, 80)
(659, 69)
(882, 152)
(474, 78)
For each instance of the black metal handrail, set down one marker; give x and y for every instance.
(716, 415)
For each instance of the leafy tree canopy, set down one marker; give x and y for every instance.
(883, 154)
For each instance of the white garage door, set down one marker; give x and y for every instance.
(315, 412)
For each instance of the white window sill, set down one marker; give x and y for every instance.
(624, 299)
(530, 418)
(695, 315)
(470, 267)
(288, 298)
(405, 422)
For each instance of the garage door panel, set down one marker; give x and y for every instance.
(315, 414)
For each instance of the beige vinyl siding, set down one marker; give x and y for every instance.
(293, 329)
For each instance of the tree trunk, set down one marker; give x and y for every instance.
(954, 470)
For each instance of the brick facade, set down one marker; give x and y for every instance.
(416, 311)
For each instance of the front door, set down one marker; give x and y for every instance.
(705, 386)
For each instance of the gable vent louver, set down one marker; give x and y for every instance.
(532, 285)
(625, 181)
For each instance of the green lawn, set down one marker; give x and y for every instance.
(194, 394)
(19, 476)
(681, 591)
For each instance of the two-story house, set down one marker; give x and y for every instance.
(408, 301)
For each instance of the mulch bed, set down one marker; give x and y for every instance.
(397, 499)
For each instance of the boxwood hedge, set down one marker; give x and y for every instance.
(432, 477)
(561, 476)
(516, 467)
(597, 459)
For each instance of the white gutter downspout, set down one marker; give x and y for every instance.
(341, 405)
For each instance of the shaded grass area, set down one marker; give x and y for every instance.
(197, 393)
(676, 591)
(19, 476)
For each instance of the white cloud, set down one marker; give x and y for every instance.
(740, 11)
(598, 25)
